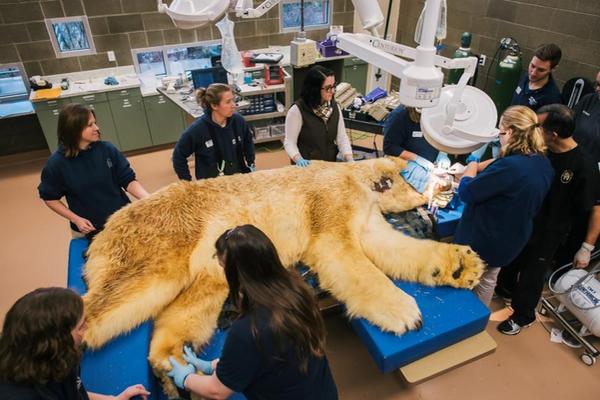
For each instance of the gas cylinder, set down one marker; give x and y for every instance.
(463, 51)
(508, 73)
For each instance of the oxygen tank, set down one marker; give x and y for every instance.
(508, 73)
(462, 52)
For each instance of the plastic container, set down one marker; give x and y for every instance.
(328, 48)
(277, 130)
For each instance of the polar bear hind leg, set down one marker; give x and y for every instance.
(119, 303)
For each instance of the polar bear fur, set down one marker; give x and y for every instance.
(155, 257)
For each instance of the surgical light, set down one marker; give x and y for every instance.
(190, 14)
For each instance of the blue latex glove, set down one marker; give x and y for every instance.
(302, 162)
(472, 158)
(111, 81)
(442, 160)
(252, 168)
(425, 163)
(201, 365)
(180, 372)
(477, 154)
(416, 176)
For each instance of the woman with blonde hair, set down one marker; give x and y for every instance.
(503, 196)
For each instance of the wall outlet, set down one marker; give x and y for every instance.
(482, 59)
(111, 56)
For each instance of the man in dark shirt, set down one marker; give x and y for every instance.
(573, 191)
(584, 234)
(587, 122)
(538, 88)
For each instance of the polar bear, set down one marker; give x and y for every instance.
(155, 257)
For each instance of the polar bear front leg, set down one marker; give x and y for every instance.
(418, 260)
(190, 318)
(351, 277)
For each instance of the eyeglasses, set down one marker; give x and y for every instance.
(502, 133)
(329, 88)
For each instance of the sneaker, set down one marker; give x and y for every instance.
(570, 340)
(510, 327)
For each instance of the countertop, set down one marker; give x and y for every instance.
(88, 82)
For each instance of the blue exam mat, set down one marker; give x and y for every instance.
(123, 361)
(447, 218)
(449, 316)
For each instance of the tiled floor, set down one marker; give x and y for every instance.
(527, 366)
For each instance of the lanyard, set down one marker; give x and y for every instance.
(221, 168)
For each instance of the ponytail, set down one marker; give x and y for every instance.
(527, 137)
(211, 95)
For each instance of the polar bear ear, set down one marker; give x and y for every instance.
(385, 183)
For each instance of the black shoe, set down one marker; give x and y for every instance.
(570, 340)
(510, 327)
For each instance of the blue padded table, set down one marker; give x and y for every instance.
(447, 218)
(449, 316)
(123, 361)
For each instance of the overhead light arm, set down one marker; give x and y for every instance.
(463, 119)
(243, 8)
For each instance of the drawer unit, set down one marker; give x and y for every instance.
(164, 119)
(129, 117)
(104, 119)
(47, 113)
(119, 94)
(90, 98)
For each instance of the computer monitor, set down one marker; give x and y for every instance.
(205, 76)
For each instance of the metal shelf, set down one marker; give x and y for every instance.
(269, 139)
(256, 117)
(253, 91)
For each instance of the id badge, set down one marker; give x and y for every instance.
(417, 134)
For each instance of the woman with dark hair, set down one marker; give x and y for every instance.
(314, 127)
(89, 172)
(276, 348)
(40, 349)
(220, 139)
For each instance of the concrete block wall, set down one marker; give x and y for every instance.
(574, 25)
(122, 25)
